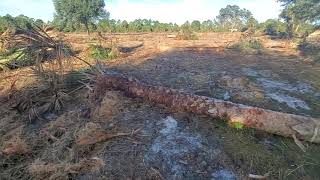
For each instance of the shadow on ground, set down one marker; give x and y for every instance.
(174, 145)
(270, 80)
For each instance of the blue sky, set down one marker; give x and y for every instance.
(176, 11)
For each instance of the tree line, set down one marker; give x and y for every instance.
(10, 22)
(298, 17)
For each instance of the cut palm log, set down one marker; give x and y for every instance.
(288, 125)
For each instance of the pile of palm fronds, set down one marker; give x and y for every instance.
(50, 64)
(25, 47)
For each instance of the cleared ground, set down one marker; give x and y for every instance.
(174, 145)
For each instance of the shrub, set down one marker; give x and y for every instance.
(186, 33)
(187, 36)
(310, 50)
(254, 44)
(99, 52)
(273, 27)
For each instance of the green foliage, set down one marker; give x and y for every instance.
(273, 27)
(251, 44)
(303, 10)
(104, 26)
(233, 17)
(310, 50)
(71, 15)
(299, 14)
(9, 22)
(252, 23)
(186, 32)
(207, 26)
(237, 125)
(99, 52)
(196, 26)
(138, 25)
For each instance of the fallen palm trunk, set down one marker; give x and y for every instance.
(288, 125)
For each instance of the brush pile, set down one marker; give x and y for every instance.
(50, 65)
(25, 47)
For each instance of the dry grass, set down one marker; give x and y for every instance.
(109, 106)
(42, 170)
(93, 134)
(16, 146)
(32, 46)
(56, 142)
(49, 93)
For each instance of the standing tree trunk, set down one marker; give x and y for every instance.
(288, 125)
(87, 27)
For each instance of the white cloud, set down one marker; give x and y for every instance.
(262, 10)
(180, 11)
(177, 11)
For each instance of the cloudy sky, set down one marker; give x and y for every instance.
(176, 11)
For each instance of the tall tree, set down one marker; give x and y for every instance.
(304, 10)
(207, 26)
(196, 26)
(233, 17)
(85, 12)
(273, 27)
(252, 23)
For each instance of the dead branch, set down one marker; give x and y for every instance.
(42, 170)
(97, 137)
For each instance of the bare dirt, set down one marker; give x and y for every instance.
(163, 144)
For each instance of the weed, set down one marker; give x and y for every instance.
(237, 125)
(253, 44)
(99, 52)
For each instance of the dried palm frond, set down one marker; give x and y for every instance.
(31, 45)
(42, 170)
(15, 146)
(39, 105)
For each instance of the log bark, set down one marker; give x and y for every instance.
(288, 125)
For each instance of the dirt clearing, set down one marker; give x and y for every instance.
(133, 139)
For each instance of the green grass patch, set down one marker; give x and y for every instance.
(260, 153)
(237, 125)
(99, 52)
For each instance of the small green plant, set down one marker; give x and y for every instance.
(99, 52)
(243, 45)
(237, 125)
